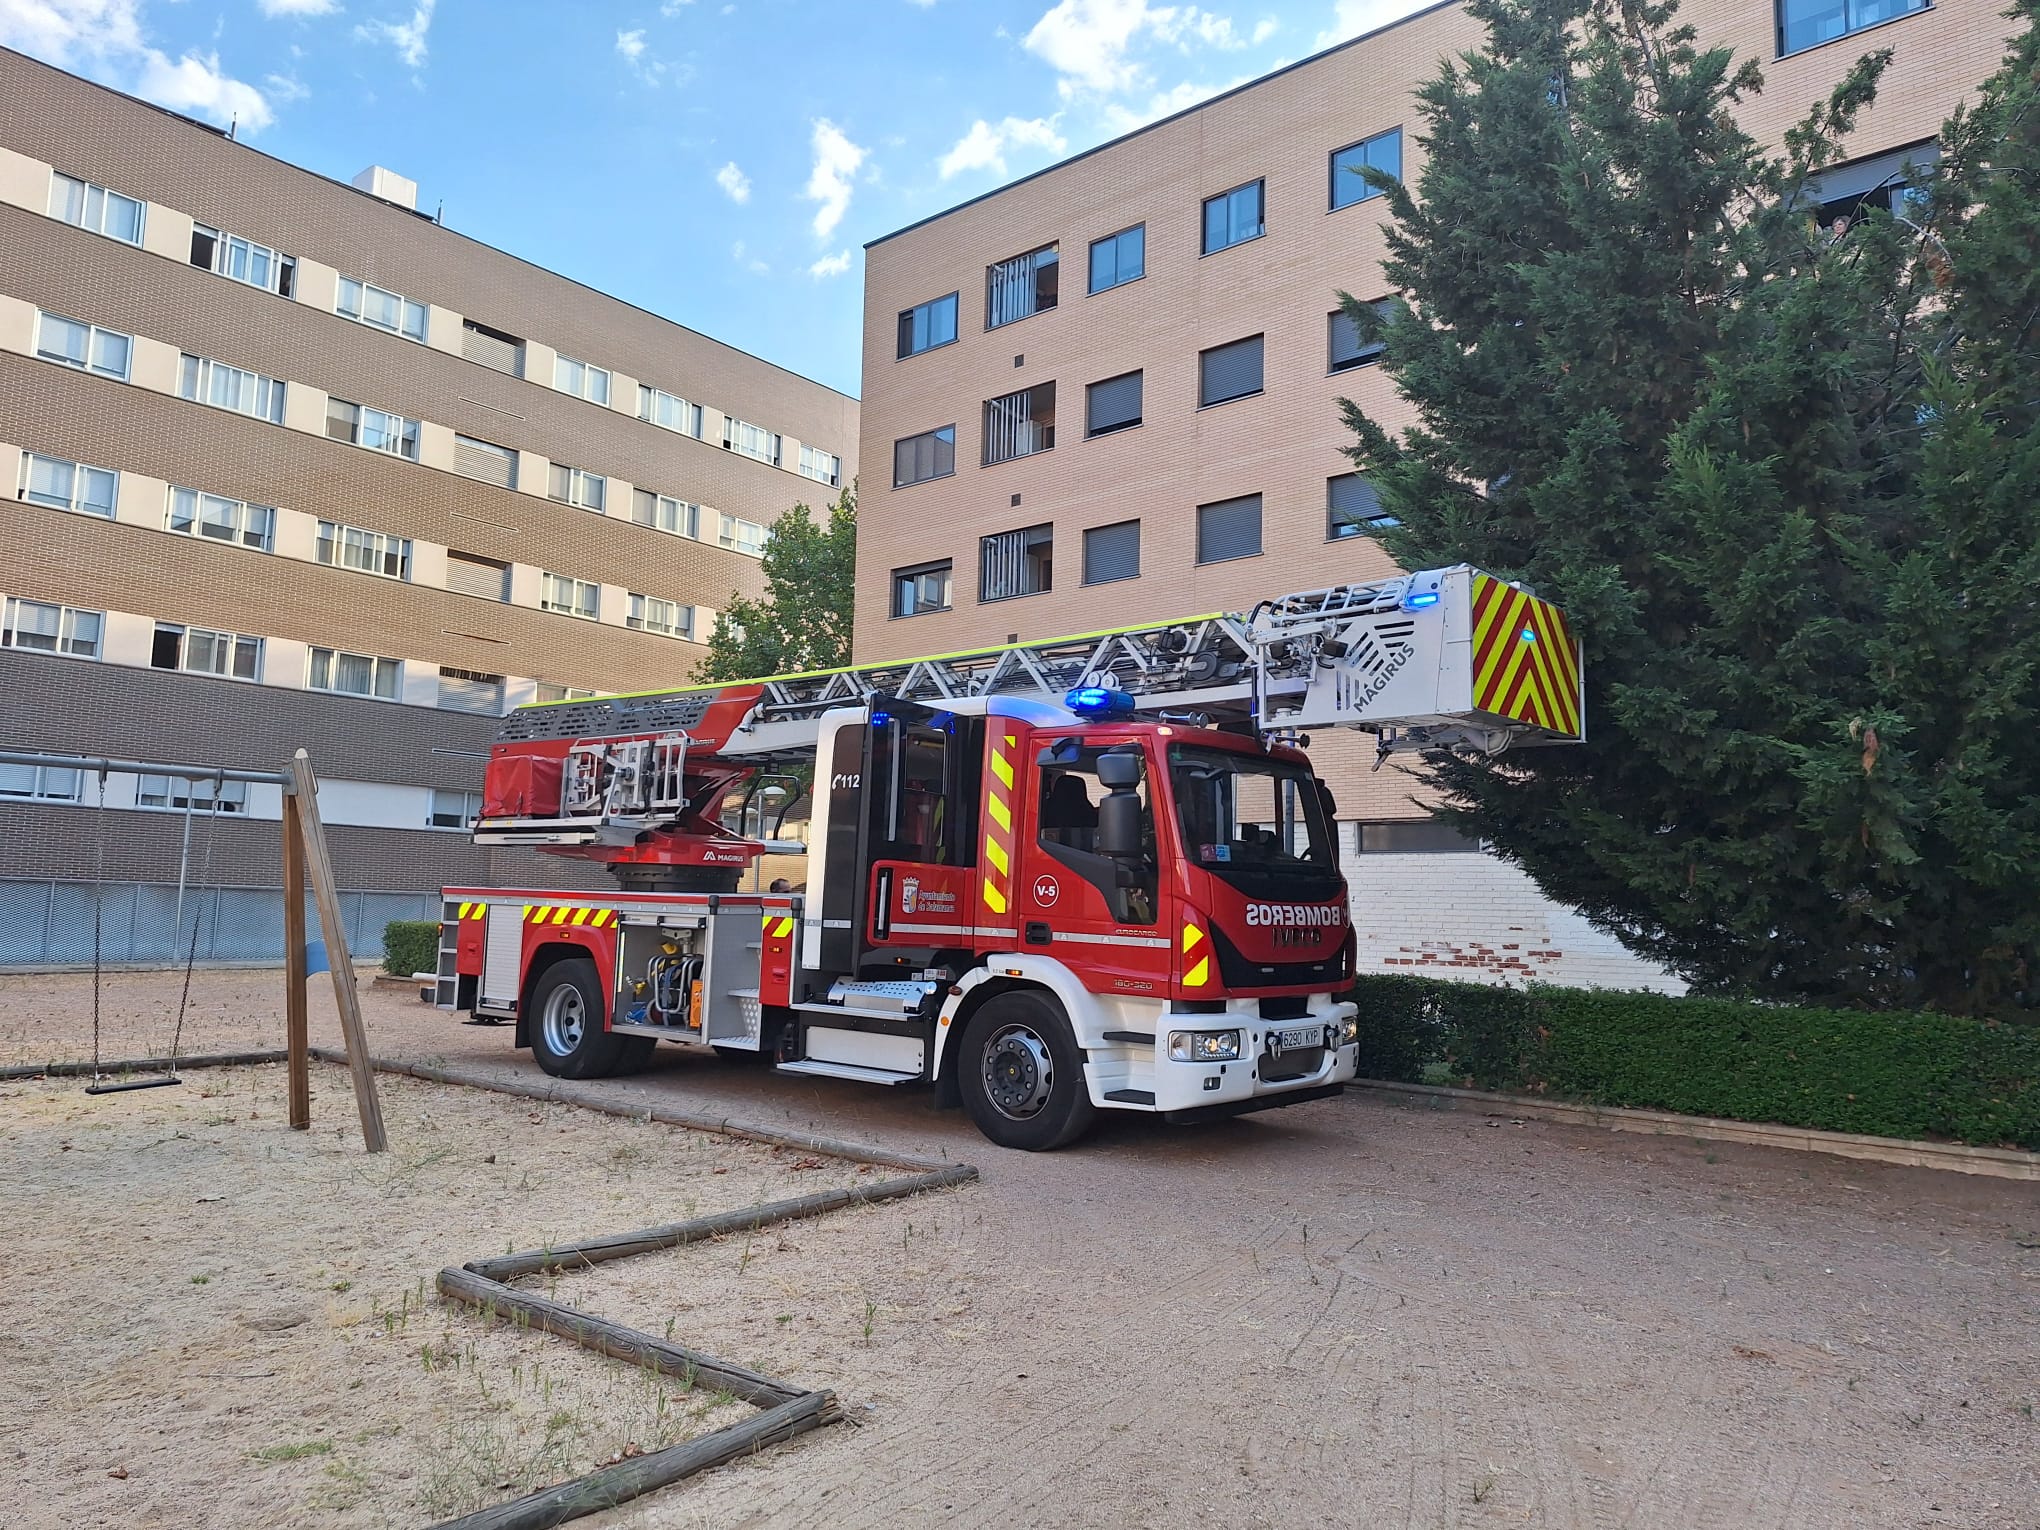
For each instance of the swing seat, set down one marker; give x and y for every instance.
(123, 1086)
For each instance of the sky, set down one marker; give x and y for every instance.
(720, 162)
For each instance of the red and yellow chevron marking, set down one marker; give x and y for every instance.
(560, 913)
(998, 867)
(779, 929)
(474, 910)
(1525, 663)
(1197, 969)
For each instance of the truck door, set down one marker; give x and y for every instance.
(1100, 914)
(920, 835)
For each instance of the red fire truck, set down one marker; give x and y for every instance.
(1095, 873)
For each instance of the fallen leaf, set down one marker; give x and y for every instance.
(1746, 1353)
(119, 1473)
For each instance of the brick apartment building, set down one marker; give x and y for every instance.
(286, 463)
(1108, 393)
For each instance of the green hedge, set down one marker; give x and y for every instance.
(1886, 1074)
(410, 945)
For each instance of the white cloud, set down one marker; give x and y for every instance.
(829, 183)
(298, 7)
(1122, 118)
(1090, 43)
(631, 44)
(674, 7)
(735, 184)
(1352, 17)
(830, 265)
(743, 257)
(1264, 29)
(285, 88)
(104, 38)
(984, 146)
(406, 37)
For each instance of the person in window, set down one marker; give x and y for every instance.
(1068, 816)
(780, 884)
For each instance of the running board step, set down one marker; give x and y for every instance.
(846, 1070)
(856, 1012)
(663, 1032)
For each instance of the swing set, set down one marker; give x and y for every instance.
(306, 858)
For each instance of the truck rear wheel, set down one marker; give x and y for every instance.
(1021, 1074)
(569, 1034)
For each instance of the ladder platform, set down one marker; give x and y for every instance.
(856, 1012)
(846, 1070)
(667, 1032)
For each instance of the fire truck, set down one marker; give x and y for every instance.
(1051, 878)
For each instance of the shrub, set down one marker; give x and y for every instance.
(410, 945)
(1885, 1073)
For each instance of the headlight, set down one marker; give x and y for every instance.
(1349, 1030)
(1204, 1046)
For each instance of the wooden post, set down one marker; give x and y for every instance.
(326, 890)
(297, 1039)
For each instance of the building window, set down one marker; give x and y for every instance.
(1229, 371)
(1233, 217)
(1413, 837)
(668, 411)
(65, 485)
(201, 652)
(484, 461)
(472, 574)
(742, 536)
(379, 309)
(372, 552)
(662, 512)
(224, 387)
(1229, 529)
(40, 783)
(546, 690)
(1016, 563)
(1112, 552)
(1018, 288)
(223, 520)
(1020, 424)
(1352, 508)
(1808, 23)
(581, 380)
(1382, 152)
(668, 618)
(1895, 183)
(1113, 404)
(95, 208)
(470, 690)
(43, 628)
(492, 348)
(917, 459)
(453, 809)
(568, 597)
(354, 674)
(572, 486)
(921, 589)
(928, 325)
(821, 466)
(242, 260)
(175, 794)
(1345, 348)
(748, 440)
(375, 429)
(84, 346)
(1119, 258)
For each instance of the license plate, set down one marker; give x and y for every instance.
(1300, 1038)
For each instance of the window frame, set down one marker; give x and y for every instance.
(1029, 561)
(400, 434)
(179, 794)
(107, 195)
(588, 373)
(26, 492)
(335, 540)
(283, 268)
(687, 515)
(378, 667)
(200, 372)
(649, 399)
(729, 534)
(937, 435)
(89, 363)
(989, 435)
(244, 514)
(578, 480)
(39, 788)
(404, 307)
(1091, 287)
(1845, 6)
(1346, 531)
(471, 808)
(234, 644)
(1092, 433)
(1260, 187)
(638, 616)
(1333, 178)
(459, 676)
(1369, 352)
(733, 435)
(1261, 539)
(1053, 249)
(549, 599)
(833, 478)
(911, 574)
(903, 350)
(66, 644)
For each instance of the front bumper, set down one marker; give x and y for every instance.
(1260, 1078)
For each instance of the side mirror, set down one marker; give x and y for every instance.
(1119, 825)
(1119, 771)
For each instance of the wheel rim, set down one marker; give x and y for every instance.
(565, 1020)
(1019, 1073)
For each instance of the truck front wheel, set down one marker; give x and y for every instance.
(569, 1035)
(1021, 1074)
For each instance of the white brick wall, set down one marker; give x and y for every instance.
(1477, 919)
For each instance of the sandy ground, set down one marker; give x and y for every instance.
(1352, 1312)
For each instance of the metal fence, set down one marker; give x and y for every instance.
(48, 924)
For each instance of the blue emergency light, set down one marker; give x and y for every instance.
(1099, 701)
(1420, 599)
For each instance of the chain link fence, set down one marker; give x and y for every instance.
(46, 925)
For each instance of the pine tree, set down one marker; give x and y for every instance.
(802, 621)
(1779, 473)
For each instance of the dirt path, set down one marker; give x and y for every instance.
(1351, 1312)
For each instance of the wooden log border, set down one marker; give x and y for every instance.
(141, 1065)
(787, 1410)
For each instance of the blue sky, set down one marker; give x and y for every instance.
(716, 161)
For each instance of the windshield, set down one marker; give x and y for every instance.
(1258, 823)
